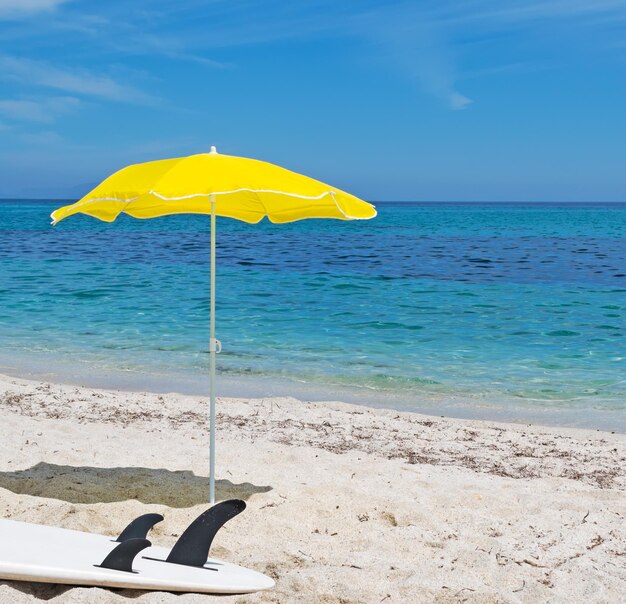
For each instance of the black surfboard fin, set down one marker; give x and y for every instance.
(192, 547)
(121, 558)
(139, 527)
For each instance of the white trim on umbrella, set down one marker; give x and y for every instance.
(207, 195)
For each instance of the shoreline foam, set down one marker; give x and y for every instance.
(486, 406)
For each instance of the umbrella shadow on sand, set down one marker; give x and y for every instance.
(85, 484)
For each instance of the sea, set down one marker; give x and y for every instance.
(502, 311)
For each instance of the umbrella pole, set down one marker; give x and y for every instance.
(212, 352)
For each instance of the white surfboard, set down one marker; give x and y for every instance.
(33, 552)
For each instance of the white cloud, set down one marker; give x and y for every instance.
(10, 9)
(74, 81)
(422, 39)
(524, 11)
(419, 49)
(44, 112)
(458, 101)
(46, 137)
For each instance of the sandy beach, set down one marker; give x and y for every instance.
(346, 504)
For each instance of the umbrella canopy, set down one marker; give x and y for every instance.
(219, 185)
(245, 189)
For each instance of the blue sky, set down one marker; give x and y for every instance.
(391, 100)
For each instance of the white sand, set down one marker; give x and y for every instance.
(345, 504)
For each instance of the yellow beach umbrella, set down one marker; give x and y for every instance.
(217, 185)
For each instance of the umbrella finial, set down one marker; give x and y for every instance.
(213, 150)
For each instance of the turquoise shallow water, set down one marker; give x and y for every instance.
(504, 310)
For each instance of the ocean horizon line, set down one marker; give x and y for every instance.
(408, 202)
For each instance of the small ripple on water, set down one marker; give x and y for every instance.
(562, 333)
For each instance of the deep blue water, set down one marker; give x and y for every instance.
(513, 306)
